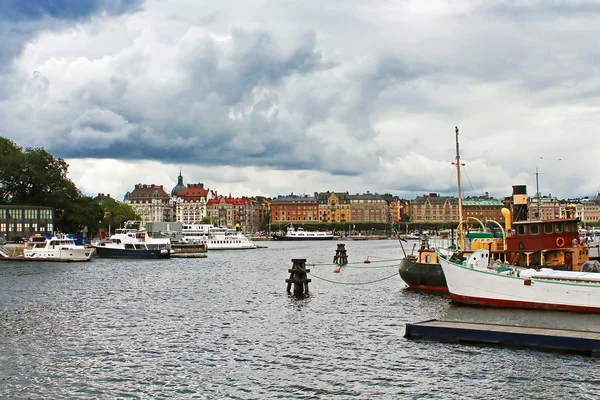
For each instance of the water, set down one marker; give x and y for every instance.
(224, 327)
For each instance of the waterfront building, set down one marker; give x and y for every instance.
(151, 203)
(483, 208)
(369, 207)
(18, 222)
(434, 208)
(293, 208)
(190, 203)
(333, 206)
(544, 207)
(233, 213)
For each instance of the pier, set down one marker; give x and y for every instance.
(561, 340)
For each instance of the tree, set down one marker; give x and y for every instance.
(84, 214)
(210, 220)
(116, 213)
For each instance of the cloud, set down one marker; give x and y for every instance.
(350, 93)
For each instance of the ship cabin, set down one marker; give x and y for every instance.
(553, 243)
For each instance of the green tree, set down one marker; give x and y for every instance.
(116, 213)
(84, 214)
(210, 220)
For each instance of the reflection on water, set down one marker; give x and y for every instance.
(225, 327)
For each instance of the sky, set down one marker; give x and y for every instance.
(268, 98)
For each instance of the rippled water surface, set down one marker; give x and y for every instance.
(224, 327)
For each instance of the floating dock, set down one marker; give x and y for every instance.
(562, 340)
(188, 255)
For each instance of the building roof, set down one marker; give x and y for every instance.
(143, 191)
(294, 198)
(230, 201)
(193, 191)
(434, 200)
(482, 202)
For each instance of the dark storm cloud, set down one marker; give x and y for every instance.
(25, 10)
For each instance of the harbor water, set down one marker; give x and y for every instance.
(224, 327)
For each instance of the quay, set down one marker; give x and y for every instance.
(561, 340)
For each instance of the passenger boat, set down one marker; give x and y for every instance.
(301, 234)
(133, 243)
(482, 280)
(56, 248)
(216, 238)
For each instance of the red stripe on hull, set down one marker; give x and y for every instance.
(429, 288)
(480, 301)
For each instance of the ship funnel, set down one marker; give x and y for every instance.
(520, 207)
(507, 218)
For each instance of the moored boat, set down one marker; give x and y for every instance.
(216, 238)
(55, 248)
(301, 234)
(133, 243)
(482, 280)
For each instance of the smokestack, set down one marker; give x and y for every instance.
(520, 206)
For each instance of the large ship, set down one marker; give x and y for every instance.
(215, 238)
(301, 234)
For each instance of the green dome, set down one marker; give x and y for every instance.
(179, 187)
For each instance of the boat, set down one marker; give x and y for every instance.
(56, 247)
(301, 234)
(133, 243)
(482, 280)
(422, 271)
(216, 238)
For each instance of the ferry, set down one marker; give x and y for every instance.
(301, 234)
(216, 238)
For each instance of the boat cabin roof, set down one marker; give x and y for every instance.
(545, 221)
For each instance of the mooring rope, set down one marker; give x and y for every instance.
(347, 283)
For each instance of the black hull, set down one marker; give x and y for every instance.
(106, 252)
(423, 276)
(283, 237)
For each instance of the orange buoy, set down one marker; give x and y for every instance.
(335, 271)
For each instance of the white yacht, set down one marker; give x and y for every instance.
(301, 234)
(56, 248)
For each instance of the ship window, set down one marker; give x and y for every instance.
(534, 229)
(558, 227)
(521, 230)
(547, 228)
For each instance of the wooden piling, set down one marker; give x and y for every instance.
(298, 276)
(340, 257)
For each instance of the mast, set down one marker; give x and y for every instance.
(537, 193)
(460, 210)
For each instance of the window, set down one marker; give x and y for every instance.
(558, 227)
(534, 229)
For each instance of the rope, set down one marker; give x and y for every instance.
(347, 283)
(353, 283)
(359, 263)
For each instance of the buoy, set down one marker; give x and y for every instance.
(335, 271)
(367, 261)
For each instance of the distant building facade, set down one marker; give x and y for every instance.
(151, 203)
(370, 207)
(190, 204)
(233, 213)
(434, 208)
(17, 222)
(333, 206)
(294, 208)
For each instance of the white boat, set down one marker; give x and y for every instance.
(56, 248)
(133, 243)
(301, 234)
(216, 238)
(481, 281)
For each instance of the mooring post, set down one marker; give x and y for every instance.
(340, 257)
(298, 276)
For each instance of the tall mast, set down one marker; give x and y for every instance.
(537, 193)
(460, 210)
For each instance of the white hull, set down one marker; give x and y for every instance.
(474, 284)
(60, 254)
